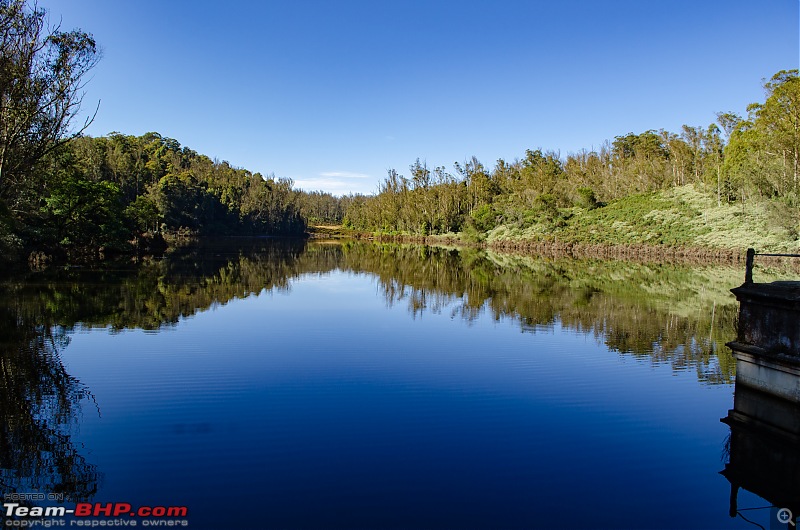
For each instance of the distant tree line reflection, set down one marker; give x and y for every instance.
(681, 315)
(676, 315)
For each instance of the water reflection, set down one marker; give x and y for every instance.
(762, 450)
(39, 405)
(680, 316)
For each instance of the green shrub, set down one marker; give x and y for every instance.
(586, 199)
(484, 217)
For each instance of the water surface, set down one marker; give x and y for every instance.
(355, 385)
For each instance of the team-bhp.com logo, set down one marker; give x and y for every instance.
(121, 514)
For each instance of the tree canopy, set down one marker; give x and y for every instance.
(734, 159)
(62, 192)
(41, 81)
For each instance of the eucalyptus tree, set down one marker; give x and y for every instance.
(693, 136)
(729, 122)
(779, 119)
(713, 148)
(680, 156)
(763, 151)
(640, 161)
(42, 71)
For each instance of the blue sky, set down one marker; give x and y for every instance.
(333, 93)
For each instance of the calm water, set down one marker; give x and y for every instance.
(366, 386)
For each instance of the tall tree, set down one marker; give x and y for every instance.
(693, 136)
(779, 118)
(713, 147)
(41, 89)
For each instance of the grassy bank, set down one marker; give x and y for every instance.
(681, 222)
(681, 216)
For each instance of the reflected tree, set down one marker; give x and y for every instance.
(680, 316)
(40, 404)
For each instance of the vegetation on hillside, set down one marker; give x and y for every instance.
(732, 183)
(67, 194)
(107, 194)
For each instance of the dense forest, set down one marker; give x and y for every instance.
(67, 195)
(735, 160)
(62, 193)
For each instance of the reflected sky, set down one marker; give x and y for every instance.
(321, 405)
(356, 385)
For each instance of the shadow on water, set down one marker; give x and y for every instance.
(761, 452)
(662, 314)
(39, 405)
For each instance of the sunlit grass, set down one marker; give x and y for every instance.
(682, 216)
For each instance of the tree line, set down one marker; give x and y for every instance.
(69, 194)
(735, 159)
(63, 192)
(106, 193)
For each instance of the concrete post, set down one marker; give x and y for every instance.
(748, 267)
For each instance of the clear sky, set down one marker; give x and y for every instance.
(333, 93)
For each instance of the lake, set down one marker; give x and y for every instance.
(275, 384)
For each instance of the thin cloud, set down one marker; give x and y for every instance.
(344, 175)
(334, 185)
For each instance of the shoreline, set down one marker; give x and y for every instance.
(634, 252)
(558, 249)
